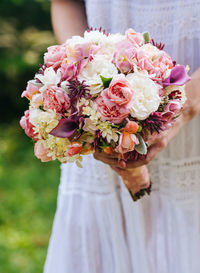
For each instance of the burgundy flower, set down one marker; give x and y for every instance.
(65, 128)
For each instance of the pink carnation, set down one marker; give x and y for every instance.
(70, 71)
(155, 61)
(30, 91)
(55, 55)
(55, 98)
(27, 126)
(41, 152)
(119, 91)
(110, 111)
(135, 38)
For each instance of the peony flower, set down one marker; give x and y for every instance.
(56, 99)
(123, 56)
(127, 143)
(49, 78)
(119, 92)
(110, 111)
(31, 90)
(92, 71)
(157, 62)
(55, 55)
(75, 40)
(135, 38)
(41, 152)
(28, 126)
(146, 98)
(95, 37)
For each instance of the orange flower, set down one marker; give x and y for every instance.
(127, 143)
(131, 127)
(75, 148)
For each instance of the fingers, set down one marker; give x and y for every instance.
(105, 159)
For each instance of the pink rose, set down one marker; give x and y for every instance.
(135, 38)
(123, 56)
(27, 126)
(119, 92)
(55, 55)
(110, 111)
(30, 91)
(55, 98)
(41, 152)
(127, 143)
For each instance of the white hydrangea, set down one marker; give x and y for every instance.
(92, 71)
(90, 110)
(49, 78)
(108, 131)
(44, 122)
(57, 148)
(147, 99)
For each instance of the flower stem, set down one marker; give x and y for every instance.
(141, 193)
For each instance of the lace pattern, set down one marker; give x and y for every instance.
(181, 19)
(179, 180)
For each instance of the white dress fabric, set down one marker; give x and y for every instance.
(97, 228)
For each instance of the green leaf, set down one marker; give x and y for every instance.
(141, 148)
(146, 37)
(105, 81)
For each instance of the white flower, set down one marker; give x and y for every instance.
(50, 77)
(146, 98)
(95, 36)
(75, 40)
(43, 122)
(172, 88)
(115, 38)
(92, 71)
(91, 111)
(108, 131)
(90, 126)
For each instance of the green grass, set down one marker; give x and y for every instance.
(28, 192)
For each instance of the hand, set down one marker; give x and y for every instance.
(134, 179)
(159, 142)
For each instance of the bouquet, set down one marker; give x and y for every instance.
(103, 91)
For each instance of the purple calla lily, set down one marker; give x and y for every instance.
(178, 76)
(65, 128)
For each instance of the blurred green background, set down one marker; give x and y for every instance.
(28, 188)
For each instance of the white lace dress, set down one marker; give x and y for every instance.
(97, 227)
